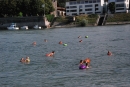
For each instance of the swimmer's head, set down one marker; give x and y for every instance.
(53, 51)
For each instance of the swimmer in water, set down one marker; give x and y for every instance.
(22, 60)
(109, 53)
(45, 40)
(87, 61)
(83, 65)
(81, 62)
(51, 54)
(34, 43)
(60, 42)
(27, 59)
(80, 40)
(79, 36)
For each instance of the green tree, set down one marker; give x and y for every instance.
(111, 7)
(48, 6)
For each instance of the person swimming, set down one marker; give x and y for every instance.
(34, 43)
(22, 60)
(45, 40)
(60, 42)
(50, 54)
(79, 36)
(109, 53)
(80, 40)
(25, 60)
(87, 61)
(82, 65)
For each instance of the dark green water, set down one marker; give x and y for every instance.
(62, 69)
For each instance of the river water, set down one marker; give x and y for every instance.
(62, 69)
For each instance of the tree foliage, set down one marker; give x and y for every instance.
(26, 7)
(111, 7)
(61, 3)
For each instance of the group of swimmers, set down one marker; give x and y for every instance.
(84, 64)
(26, 60)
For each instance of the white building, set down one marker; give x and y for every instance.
(77, 7)
(121, 6)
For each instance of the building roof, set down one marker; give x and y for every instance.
(60, 8)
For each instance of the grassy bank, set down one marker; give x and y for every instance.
(81, 20)
(120, 17)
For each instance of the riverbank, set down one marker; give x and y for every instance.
(66, 21)
(22, 21)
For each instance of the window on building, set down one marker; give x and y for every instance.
(80, 10)
(73, 6)
(67, 10)
(88, 9)
(81, 2)
(86, 1)
(72, 2)
(98, 0)
(74, 13)
(90, 13)
(120, 9)
(97, 12)
(78, 2)
(120, 0)
(88, 5)
(120, 5)
(73, 10)
(96, 9)
(94, 1)
(80, 6)
(96, 5)
(90, 1)
(67, 7)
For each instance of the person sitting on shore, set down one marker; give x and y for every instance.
(109, 53)
(50, 54)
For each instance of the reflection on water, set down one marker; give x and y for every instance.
(62, 69)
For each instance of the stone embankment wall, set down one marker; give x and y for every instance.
(117, 23)
(22, 21)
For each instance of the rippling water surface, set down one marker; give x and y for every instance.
(62, 69)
